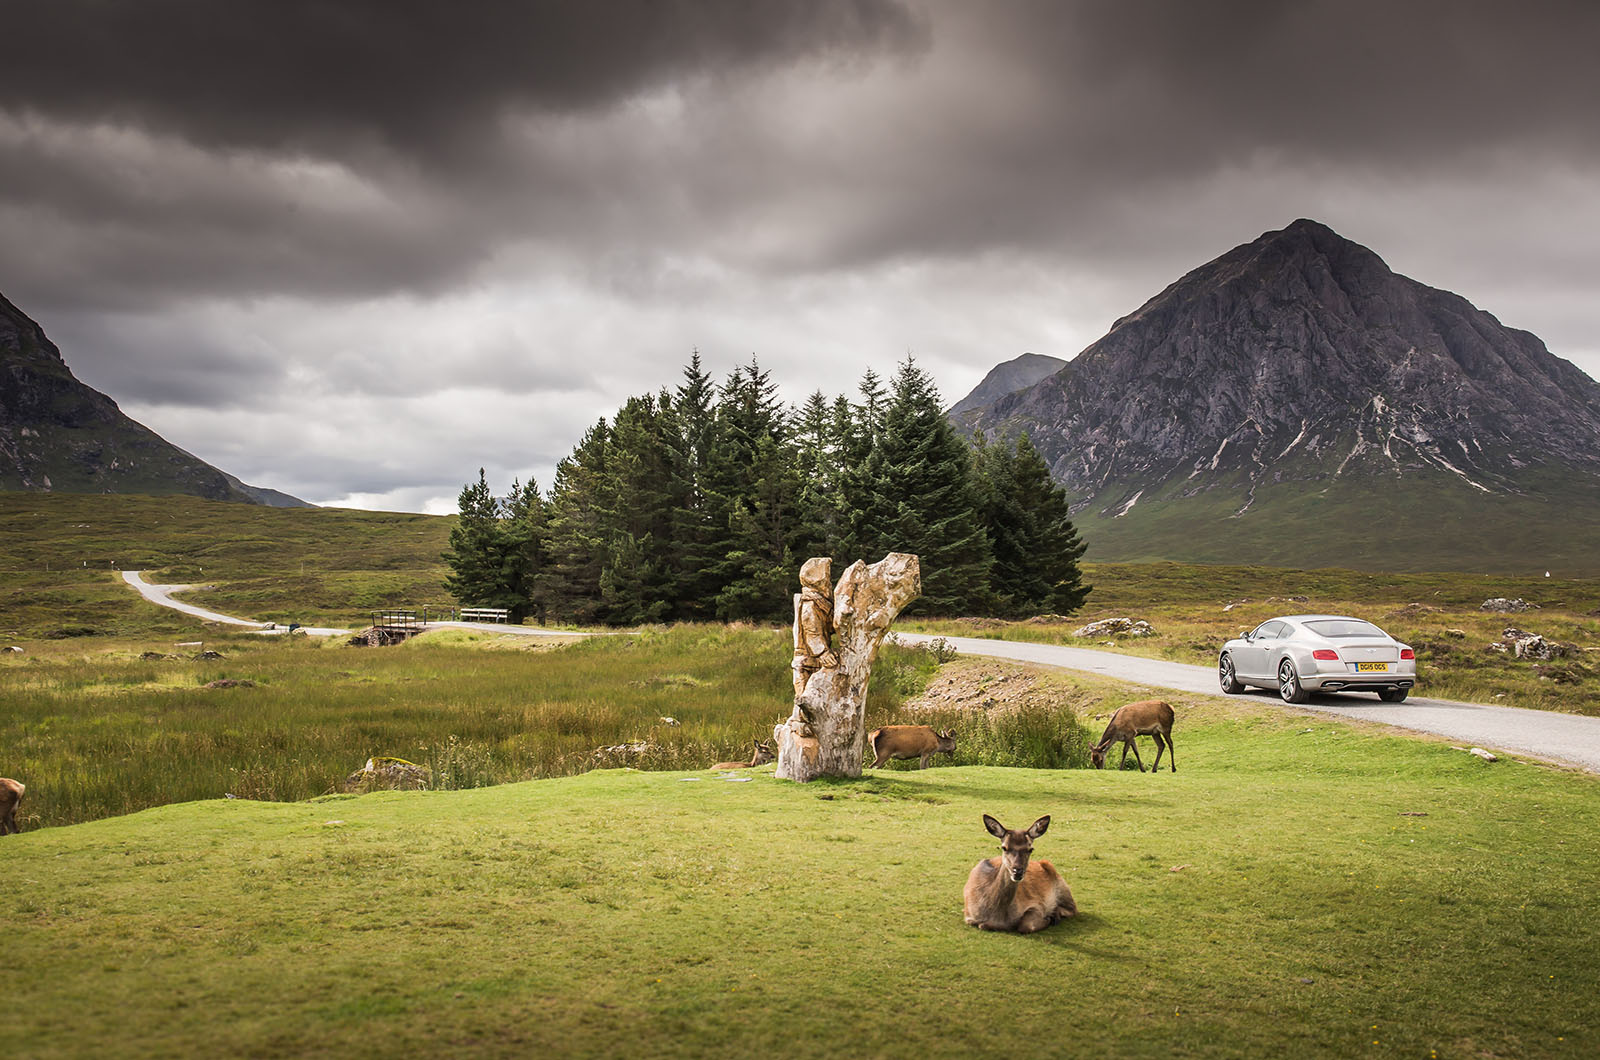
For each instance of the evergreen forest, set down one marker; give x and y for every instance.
(700, 502)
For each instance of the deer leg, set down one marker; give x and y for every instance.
(922, 763)
(1156, 765)
(1133, 742)
(1033, 920)
(1172, 754)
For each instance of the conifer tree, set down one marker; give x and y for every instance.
(925, 498)
(1036, 547)
(694, 524)
(578, 546)
(496, 547)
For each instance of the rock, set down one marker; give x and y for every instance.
(667, 721)
(1046, 620)
(231, 682)
(1525, 645)
(1457, 634)
(1501, 604)
(14, 648)
(388, 774)
(1116, 627)
(208, 655)
(1481, 753)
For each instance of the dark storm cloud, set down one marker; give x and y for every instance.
(416, 76)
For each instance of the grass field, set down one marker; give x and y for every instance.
(1301, 887)
(98, 729)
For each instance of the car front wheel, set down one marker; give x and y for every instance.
(1289, 686)
(1393, 695)
(1226, 677)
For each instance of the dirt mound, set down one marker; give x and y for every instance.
(980, 685)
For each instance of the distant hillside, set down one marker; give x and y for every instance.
(1296, 402)
(59, 435)
(1008, 377)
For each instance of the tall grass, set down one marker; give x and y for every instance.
(107, 732)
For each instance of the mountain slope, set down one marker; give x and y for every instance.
(57, 434)
(1008, 377)
(1296, 381)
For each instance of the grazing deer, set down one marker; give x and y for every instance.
(10, 794)
(762, 756)
(1148, 717)
(910, 741)
(1008, 893)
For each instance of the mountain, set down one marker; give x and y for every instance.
(1008, 377)
(1297, 402)
(57, 434)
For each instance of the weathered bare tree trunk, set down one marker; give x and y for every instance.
(823, 737)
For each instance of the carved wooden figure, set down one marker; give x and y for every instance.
(824, 737)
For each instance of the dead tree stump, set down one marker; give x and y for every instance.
(824, 736)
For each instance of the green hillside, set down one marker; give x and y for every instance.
(1300, 887)
(1427, 521)
(275, 564)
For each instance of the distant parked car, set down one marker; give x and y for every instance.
(1301, 654)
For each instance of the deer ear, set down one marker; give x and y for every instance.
(1039, 827)
(995, 828)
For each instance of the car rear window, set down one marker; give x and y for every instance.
(1344, 627)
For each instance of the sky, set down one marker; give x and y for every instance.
(357, 249)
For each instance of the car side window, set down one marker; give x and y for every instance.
(1269, 631)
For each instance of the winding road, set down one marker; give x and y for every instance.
(1570, 739)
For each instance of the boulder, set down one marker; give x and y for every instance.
(1116, 627)
(1503, 605)
(388, 774)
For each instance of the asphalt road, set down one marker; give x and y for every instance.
(1570, 739)
(161, 594)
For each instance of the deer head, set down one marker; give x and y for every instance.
(1016, 847)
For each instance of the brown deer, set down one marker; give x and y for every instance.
(1008, 893)
(1148, 717)
(10, 794)
(910, 741)
(762, 756)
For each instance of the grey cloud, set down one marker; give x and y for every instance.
(410, 75)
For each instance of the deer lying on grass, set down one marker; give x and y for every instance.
(10, 794)
(1008, 893)
(762, 756)
(910, 741)
(1148, 717)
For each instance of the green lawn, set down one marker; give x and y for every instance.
(1300, 887)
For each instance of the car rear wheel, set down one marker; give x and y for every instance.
(1393, 695)
(1289, 686)
(1226, 677)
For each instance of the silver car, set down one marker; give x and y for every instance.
(1301, 654)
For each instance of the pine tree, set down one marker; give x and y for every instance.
(568, 587)
(1056, 544)
(1036, 547)
(925, 498)
(637, 507)
(496, 547)
(475, 548)
(694, 524)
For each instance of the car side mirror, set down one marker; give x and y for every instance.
(1250, 636)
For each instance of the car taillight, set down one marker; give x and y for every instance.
(1407, 653)
(1325, 654)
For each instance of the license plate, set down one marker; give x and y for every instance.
(1372, 668)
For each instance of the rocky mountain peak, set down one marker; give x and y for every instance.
(57, 434)
(1302, 357)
